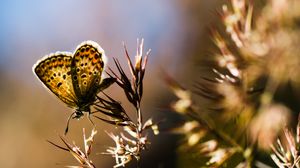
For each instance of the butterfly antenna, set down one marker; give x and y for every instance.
(67, 128)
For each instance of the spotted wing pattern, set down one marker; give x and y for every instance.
(87, 66)
(55, 72)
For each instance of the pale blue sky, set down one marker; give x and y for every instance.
(31, 29)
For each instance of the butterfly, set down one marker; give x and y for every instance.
(75, 78)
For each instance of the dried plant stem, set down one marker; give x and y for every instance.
(131, 144)
(139, 117)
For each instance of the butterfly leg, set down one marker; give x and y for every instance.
(89, 118)
(67, 128)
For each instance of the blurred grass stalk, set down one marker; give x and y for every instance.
(243, 119)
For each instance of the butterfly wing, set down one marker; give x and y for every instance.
(87, 66)
(55, 73)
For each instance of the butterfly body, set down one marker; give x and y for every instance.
(74, 78)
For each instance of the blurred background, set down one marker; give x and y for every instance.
(175, 30)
